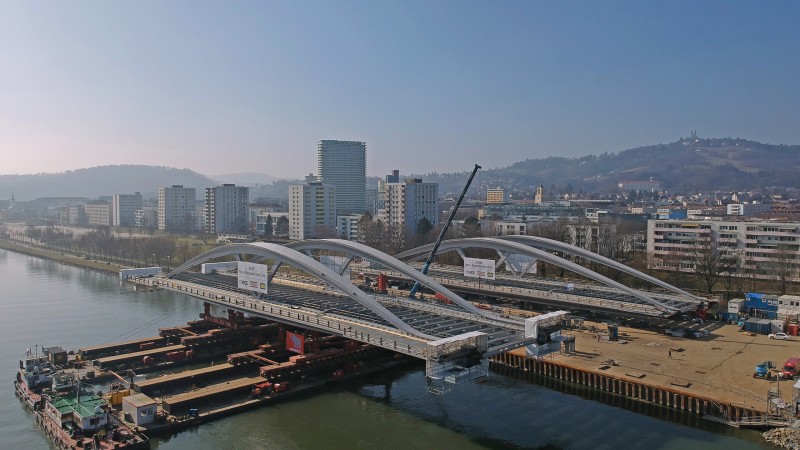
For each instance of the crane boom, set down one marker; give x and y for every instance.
(444, 230)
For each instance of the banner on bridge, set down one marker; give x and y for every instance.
(479, 268)
(295, 342)
(516, 263)
(252, 276)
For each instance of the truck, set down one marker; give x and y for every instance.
(791, 368)
(762, 370)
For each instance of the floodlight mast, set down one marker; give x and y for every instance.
(435, 248)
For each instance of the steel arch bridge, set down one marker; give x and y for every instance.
(550, 244)
(506, 247)
(283, 255)
(445, 336)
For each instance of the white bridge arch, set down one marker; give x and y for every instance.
(504, 247)
(284, 255)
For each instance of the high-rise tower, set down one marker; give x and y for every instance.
(343, 164)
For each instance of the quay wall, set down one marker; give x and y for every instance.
(635, 389)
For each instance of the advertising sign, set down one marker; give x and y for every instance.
(295, 342)
(252, 276)
(479, 268)
(516, 263)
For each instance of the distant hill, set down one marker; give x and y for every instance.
(101, 180)
(687, 165)
(245, 178)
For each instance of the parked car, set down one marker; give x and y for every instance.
(781, 336)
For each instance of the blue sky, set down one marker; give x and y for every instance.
(222, 87)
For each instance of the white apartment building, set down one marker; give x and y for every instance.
(762, 246)
(176, 208)
(406, 203)
(312, 212)
(123, 209)
(226, 209)
(347, 226)
(748, 209)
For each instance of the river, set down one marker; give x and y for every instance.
(47, 303)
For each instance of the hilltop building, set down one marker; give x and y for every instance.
(650, 185)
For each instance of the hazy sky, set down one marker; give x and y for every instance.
(222, 87)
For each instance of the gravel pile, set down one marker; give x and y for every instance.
(784, 437)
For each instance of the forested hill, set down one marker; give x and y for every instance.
(98, 181)
(687, 165)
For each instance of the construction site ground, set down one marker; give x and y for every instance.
(719, 366)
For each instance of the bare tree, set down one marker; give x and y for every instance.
(783, 267)
(732, 273)
(709, 261)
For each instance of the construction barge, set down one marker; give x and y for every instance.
(119, 394)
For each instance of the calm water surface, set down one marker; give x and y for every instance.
(46, 303)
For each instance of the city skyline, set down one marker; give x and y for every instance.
(237, 88)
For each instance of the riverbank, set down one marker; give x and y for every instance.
(63, 258)
(711, 376)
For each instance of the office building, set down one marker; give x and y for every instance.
(98, 213)
(176, 208)
(123, 209)
(343, 164)
(312, 211)
(226, 209)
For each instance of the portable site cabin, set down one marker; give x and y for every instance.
(139, 409)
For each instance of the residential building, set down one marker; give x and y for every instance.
(176, 208)
(146, 217)
(408, 202)
(496, 196)
(77, 215)
(343, 164)
(98, 213)
(123, 209)
(510, 227)
(765, 250)
(264, 219)
(748, 209)
(226, 209)
(347, 226)
(650, 185)
(312, 210)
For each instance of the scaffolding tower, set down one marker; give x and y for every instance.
(455, 360)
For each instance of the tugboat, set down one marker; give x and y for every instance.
(71, 415)
(34, 375)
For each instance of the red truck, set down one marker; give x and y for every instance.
(791, 368)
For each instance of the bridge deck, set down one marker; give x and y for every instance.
(319, 308)
(574, 294)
